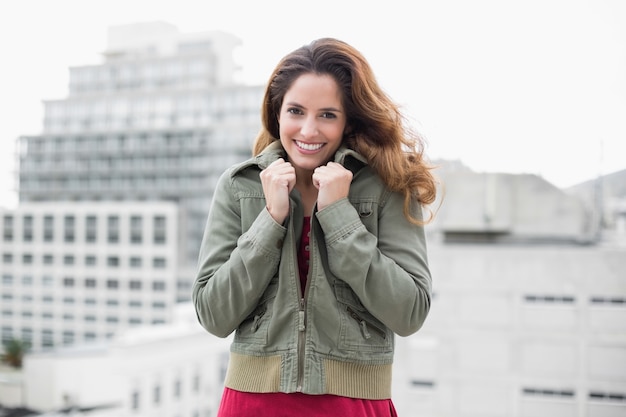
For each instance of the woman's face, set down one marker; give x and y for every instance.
(311, 121)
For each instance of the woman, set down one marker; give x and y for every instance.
(314, 250)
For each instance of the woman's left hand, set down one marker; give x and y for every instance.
(333, 183)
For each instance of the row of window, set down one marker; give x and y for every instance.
(543, 392)
(159, 73)
(157, 392)
(235, 102)
(68, 337)
(148, 184)
(158, 262)
(94, 145)
(91, 283)
(568, 299)
(90, 226)
(134, 304)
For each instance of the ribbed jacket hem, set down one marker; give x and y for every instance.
(263, 374)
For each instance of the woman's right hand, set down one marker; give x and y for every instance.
(278, 179)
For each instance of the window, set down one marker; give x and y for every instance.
(113, 261)
(7, 258)
(27, 259)
(136, 229)
(48, 228)
(47, 339)
(159, 230)
(608, 301)
(549, 299)
(134, 401)
(113, 234)
(68, 260)
(68, 282)
(615, 397)
(158, 286)
(90, 283)
(48, 259)
(68, 337)
(8, 228)
(68, 300)
(549, 392)
(135, 285)
(158, 262)
(196, 383)
(27, 280)
(91, 226)
(27, 228)
(90, 260)
(158, 305)
(177, 388)
(135, 262)
(135, 303)
(90, 301)
(112, 284)
(157, 394)
(68, 228)
(47, 281)
(7, 279)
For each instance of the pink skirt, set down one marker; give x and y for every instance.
(278, 404)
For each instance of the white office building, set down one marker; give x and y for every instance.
(79, 272)
(158, 120)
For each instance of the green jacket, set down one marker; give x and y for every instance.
(368, 279)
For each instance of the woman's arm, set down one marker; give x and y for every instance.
(388, 273)
(234, 266)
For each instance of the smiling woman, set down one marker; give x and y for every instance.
(314, 251)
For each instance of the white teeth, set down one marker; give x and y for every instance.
(309, 146)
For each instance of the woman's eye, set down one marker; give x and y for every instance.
(328, 115)
(294, 110)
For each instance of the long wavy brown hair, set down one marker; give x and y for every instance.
(375, 126)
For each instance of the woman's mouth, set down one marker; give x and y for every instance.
(308, 146)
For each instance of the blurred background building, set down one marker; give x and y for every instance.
(529, 310)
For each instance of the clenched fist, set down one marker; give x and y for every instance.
(278, 179)
(333, 183)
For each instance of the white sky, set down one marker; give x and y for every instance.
(532, 86)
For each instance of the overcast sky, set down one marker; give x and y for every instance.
(533, 86)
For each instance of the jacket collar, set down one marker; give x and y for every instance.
(349, 158)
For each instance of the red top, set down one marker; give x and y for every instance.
(277, 404)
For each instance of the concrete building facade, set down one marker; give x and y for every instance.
(78, 272)
(160, 119)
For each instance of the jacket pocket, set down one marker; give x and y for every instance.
(359, 329)
(254, 328)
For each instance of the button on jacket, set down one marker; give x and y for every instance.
(368, 280)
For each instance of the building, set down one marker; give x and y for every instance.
(172, 369)
(78, 272)
(159, 120)
(529, 313)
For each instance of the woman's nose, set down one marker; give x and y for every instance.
(309, 127)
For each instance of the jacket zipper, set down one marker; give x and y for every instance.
(364, 325)
(302, 317)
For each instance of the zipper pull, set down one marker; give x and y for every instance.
(366, 333)
(301, 325)
(257, 321)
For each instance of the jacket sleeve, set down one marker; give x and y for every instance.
(234, 266)
(388, 273)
